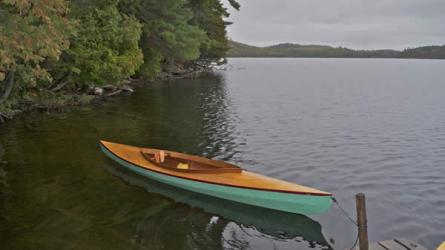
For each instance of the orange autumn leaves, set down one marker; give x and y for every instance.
(30, 32)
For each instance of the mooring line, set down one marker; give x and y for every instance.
(350, 219)
(344, 212)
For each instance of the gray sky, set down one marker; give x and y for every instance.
(362, 24)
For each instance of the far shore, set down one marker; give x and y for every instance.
(289, 50)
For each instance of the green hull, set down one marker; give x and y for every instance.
(288, 202)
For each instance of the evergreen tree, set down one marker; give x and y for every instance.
(167, 34)
(208, 16)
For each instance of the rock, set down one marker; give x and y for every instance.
(98, 91)
(126, 82)
(127, 88)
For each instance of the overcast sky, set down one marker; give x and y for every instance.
(367, 24)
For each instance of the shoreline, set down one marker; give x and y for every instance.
(353, 58)
(47, 101)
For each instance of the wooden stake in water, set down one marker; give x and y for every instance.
(362, 221)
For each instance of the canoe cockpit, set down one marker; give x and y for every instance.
(186, 163)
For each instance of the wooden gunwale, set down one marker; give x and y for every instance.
(216, 183)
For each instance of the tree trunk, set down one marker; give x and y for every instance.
(171, 66)
(9, 84)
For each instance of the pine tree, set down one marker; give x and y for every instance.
(167, 34)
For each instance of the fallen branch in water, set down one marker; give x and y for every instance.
(59, 86)
(114, 93)
(61, 83)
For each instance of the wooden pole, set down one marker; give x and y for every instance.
(362, 221)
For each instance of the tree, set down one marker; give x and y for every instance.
(167, 35)
(48, 44)
(31, 31)
(208, 16)
(105, 48)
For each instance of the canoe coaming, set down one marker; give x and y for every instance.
(272, 193)
(195, 164)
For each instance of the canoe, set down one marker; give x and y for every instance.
(271, 223)
(219, 179)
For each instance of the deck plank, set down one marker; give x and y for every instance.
(376, 247)
(392, 245)
(396, 244)
(410, 244)
(373, 246)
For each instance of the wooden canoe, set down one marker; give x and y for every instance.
(220, 179)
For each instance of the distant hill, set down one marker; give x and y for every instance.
(296, 50)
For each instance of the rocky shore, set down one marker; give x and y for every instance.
(58, 101)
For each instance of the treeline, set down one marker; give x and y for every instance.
(427, 52)
(53, 45)
(321, 51)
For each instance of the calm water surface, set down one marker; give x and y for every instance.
(340, 125)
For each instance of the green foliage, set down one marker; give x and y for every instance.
(207, 15)
(167, 35)
(152, 62)
(105, 48)
(55, 44)
(30, 33)
(234, 4)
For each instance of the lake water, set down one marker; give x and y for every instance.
(342, 125)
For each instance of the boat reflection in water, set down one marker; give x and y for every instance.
(241, 221)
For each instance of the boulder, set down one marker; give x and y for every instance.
(98, 91)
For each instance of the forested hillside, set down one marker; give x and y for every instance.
(51, 48)
(295, 50)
